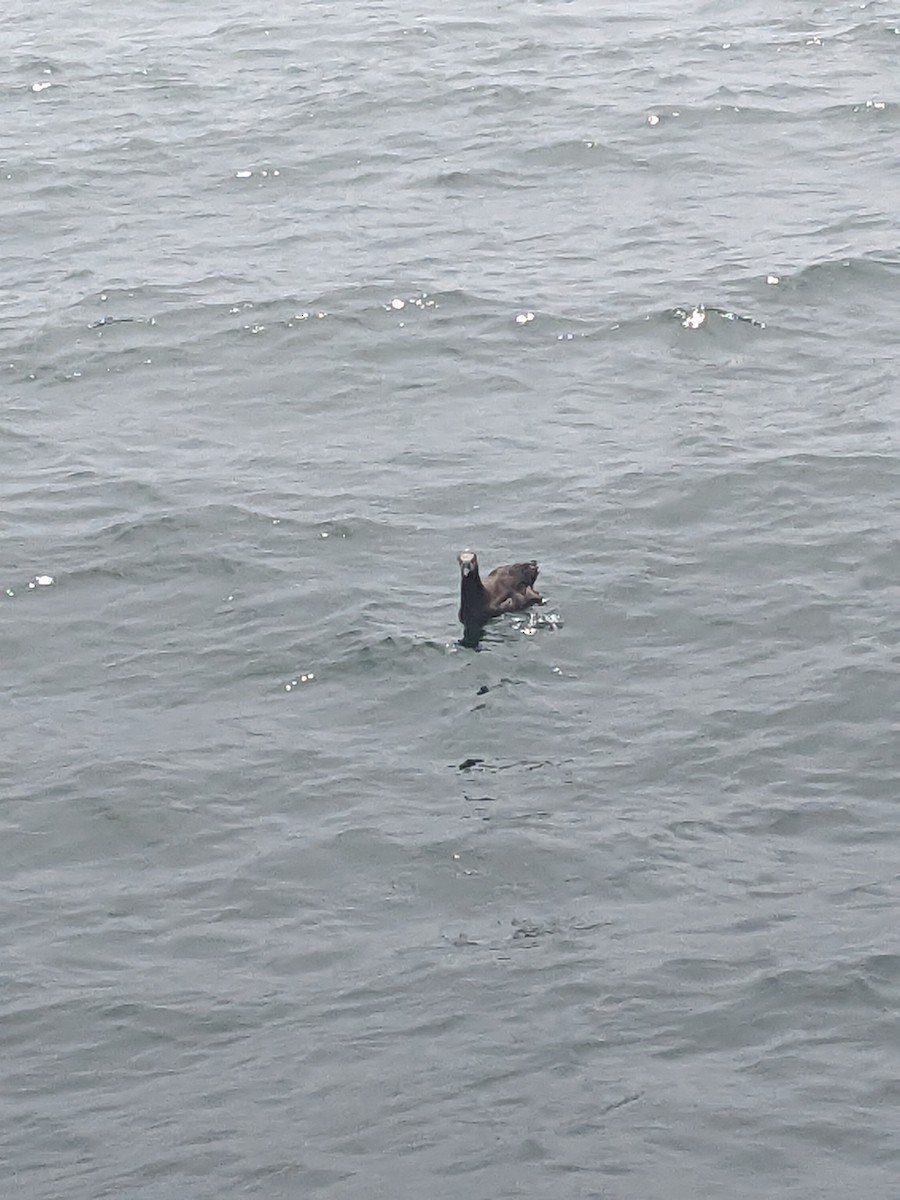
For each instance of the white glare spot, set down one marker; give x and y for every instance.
(43, 580)
(694, 319)
(10, 592)
(773, 279)
(524, 318)
(324, 533)
(276, 520)
(397, 303)
(242, 174)
(40, 87)
(726, 45)
(653, 119)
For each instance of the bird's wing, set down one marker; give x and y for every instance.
(513, 578)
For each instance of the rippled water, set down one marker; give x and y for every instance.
(301, 896)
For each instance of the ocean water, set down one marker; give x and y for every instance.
(302, 897)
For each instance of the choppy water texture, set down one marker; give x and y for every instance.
(300, 897)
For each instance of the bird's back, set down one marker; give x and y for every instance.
(513, 578)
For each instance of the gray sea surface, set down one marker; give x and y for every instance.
(302, 897)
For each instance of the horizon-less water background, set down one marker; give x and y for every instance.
(300, 897)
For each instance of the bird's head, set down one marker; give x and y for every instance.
(468, 563)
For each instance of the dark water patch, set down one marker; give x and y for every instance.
(460, 181)
(584, 154)
(481, 765)
(868, 277)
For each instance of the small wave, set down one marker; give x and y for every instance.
(699, 316)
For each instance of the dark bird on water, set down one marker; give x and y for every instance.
(506, 589)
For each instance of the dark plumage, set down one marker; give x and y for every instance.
(506, 589)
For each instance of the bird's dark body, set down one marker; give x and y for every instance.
(506, 589)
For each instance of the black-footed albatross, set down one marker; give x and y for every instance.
(506, 589)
